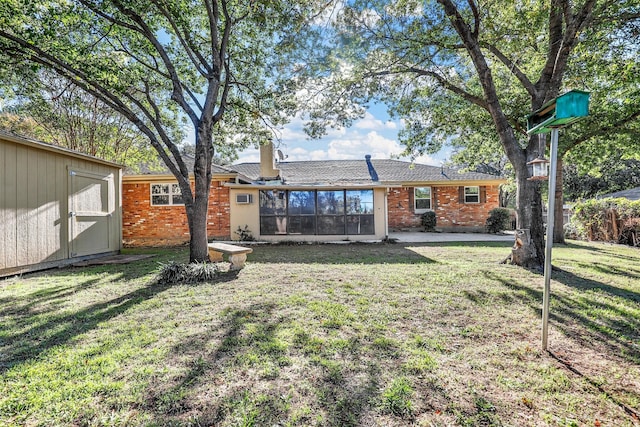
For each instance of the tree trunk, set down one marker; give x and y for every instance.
(197, 215)
(528, 249)
(558, 215)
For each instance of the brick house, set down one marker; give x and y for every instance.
(153, 213)
(311, 201)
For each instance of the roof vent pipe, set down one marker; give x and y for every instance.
(372, 170)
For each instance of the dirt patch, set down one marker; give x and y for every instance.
(112, 259)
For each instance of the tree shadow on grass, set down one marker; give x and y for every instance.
(44, 329)
(585, 284)
(248, 341)
(627, 270)
(603, 248)
(240, 365)
(588, 317)
(59, 329)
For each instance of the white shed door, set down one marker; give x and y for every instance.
(90, 213)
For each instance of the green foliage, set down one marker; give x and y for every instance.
(168, 68)
(499, 219)
(174, 273)
(611, 175)
(572, 231)
(396, 399)
(428, 221)
(608, 219)
(244, 234)
(52, 110)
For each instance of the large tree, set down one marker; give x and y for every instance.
(210, 64)
(447, 66)
(53, 110)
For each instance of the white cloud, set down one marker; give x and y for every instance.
(427, 160)
(369, 122)
(368, 135)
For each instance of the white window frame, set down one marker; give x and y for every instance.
(173, 186)
(416, 198)
(467, 195)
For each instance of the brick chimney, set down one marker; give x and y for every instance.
(268, 170)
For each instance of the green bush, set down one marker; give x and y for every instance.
(174, 272)
(428, 221)
(609, 220)
(573, 231)
(498, 220)
(244, 234)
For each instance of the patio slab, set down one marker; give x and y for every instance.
(422, 237)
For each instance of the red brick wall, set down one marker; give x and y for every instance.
(450, 213)
(399, 205)
(146, 225)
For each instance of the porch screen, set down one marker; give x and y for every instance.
(316, 212)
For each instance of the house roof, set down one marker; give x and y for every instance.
(357, 172)
(631, 194)
(161, 169)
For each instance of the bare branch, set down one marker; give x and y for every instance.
(149, 34)
(474, 99)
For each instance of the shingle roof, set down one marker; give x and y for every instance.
(332, 172)
(162, 169)
(631, 194)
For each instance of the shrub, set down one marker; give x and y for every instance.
(573, 231)
(244, 234)
(174, 272)
(609, 220)
(428, 221)
(499, 220)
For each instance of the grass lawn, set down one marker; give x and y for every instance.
(327, 335)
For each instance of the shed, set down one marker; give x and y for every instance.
(57, 206)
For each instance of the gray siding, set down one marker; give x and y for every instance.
(34, 203)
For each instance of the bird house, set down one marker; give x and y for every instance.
(540, 169)
(562, 111)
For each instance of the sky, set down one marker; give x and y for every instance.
(374, 134)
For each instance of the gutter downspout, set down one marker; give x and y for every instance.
(386, 213)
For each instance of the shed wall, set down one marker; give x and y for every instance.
(34, 205)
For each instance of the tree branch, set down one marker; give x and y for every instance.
(515, 70)
(476, 18)
(149, 34)
(186, 42)
(107, 96)
(604, 131)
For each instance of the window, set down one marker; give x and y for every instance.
(273, 212)
(325, 212)
(360, 212)
(331, 212)
(422, 199)
(302, 212)
(472, 194)
(166, 195)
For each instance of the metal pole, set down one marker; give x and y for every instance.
(549, 241)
